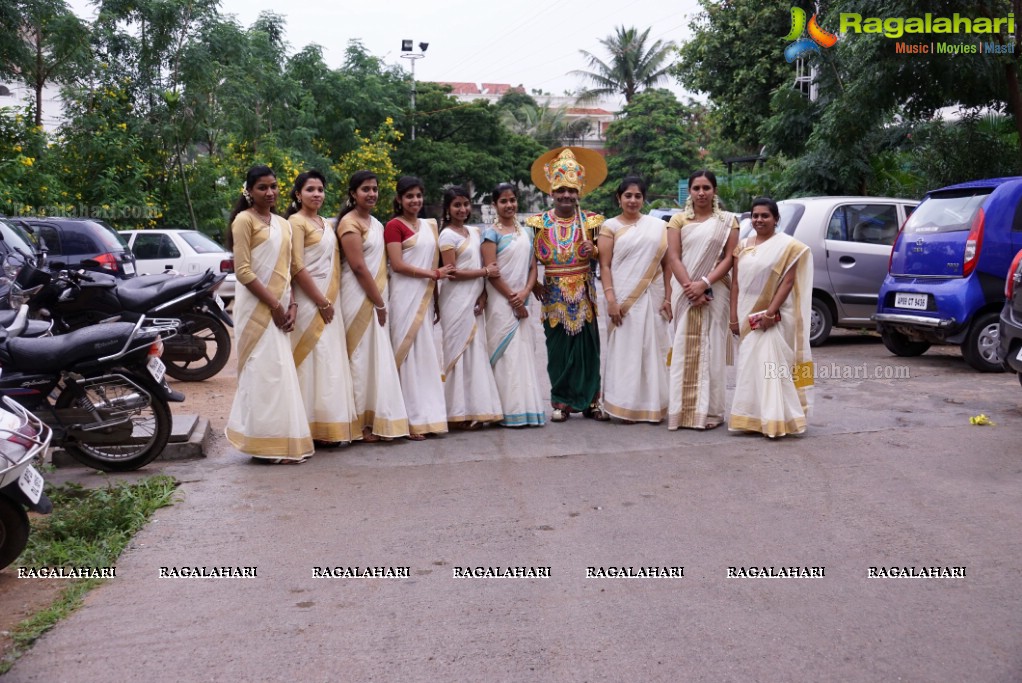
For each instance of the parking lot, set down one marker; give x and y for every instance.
(891, 474)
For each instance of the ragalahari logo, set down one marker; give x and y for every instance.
(816, 38)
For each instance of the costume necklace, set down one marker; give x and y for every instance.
(564, 231)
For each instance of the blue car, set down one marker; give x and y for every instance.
(945, 282)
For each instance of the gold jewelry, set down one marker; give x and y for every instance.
(325, 306)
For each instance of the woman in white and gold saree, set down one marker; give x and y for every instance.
(633, 250)
(267, 419)
(770, 307)
(469, 388)
(700, 242)
(377, 387)
(414, 254)
(318, 341)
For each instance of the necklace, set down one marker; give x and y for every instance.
(564, 232)
(268, 219)
(507, 229)
(414, 227)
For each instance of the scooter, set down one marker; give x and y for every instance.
(24, 439)
(79, 299)
(102, 389)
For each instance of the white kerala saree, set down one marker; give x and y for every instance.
(411, 332)
(510, 341)
(774, 377)
(375, 381)
(267, 417)
(469, 388)
(698, 373)
(635, 371)
(320, 350)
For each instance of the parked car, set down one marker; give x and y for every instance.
(1010, 329)
(69, 241)
(185, 251)
(947, 271)
(663, 214)
(850, 238)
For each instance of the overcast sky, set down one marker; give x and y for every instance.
(534, 43)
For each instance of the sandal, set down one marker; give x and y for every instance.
(280, 461)
(713, 424)
(416, 437)
(369, 437)
(595, 412)
(559, 415)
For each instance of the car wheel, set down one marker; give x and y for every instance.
(820, 322)
(900, 345)
(981, 348)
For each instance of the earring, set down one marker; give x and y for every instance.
(298, 201)
(248, 197)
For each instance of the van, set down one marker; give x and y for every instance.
(945, 280)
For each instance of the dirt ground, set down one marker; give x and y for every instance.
(20, 598)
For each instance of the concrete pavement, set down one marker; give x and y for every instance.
(890, 474)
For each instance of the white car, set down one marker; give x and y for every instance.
(187, 252)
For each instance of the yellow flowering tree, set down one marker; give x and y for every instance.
(374, 153)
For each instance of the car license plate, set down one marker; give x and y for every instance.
(31, 484)
(156, 368)
(129, 269)
(916, 302)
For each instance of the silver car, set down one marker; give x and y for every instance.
(851, 240)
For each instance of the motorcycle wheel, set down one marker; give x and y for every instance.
(13, 531)
(150, 429)
(210, 332)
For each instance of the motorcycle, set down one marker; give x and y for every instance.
(24, 439)
(101, 389)
(78, 299)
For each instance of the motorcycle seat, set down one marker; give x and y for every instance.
(49, 354)
(36, 328)
(146, 291)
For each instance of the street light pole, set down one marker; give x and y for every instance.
(406, 49)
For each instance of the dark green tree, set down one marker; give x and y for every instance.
(655, 138)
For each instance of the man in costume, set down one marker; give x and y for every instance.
(564, 246)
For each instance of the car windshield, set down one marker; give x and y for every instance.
(16, 238)
(947, 211)
(201, 243)
(111, 238)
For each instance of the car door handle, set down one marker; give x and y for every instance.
(846, 261)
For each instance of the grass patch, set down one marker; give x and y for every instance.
(89, 528)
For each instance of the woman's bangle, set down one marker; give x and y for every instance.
(733, 322)
(706, 280)
(380, 308)
(294, 304)
(280, 304)
(436, 274)
(325, 306)
(769, 317)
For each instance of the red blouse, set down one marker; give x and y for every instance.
(397, 230)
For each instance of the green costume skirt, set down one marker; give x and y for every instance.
(573, 364)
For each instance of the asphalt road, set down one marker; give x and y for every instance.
(890, 474)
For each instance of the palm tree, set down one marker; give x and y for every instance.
(545, 124)
(631, 67)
